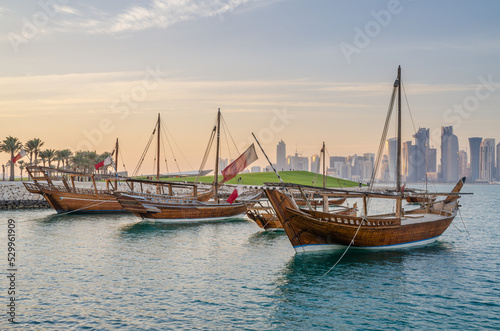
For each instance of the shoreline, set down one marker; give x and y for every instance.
(13, 195)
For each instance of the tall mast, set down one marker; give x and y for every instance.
(158, 149)
(116, 156)
(398, 157)
(216, 176)
(324, 170)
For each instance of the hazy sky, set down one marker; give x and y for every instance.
(79, 74)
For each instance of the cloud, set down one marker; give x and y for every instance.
(156, 14)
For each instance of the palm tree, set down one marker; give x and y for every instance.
(49, 155)
(58, 158)
(64, 154)
(43, 156)
(11, 145)
(85, 160)
(21, 166)
(33, 147)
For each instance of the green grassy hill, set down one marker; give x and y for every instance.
(259, 178)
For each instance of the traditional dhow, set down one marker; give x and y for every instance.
(157, 208)
(313, 230)
(62, 190)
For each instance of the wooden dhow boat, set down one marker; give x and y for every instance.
(63, 190)
(157, 208)
(315, 231)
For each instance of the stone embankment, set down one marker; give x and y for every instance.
(13, 195)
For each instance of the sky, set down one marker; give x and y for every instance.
(80, 74)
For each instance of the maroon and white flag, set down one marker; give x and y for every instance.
(237, 191)
(106, 161)
(19, 155)
(238, 165)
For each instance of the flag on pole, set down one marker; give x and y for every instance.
(106, 161)
(19, 155)
(237, 191)
(243, 161)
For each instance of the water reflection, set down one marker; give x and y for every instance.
(363, 281)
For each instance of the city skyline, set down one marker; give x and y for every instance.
(418, 162)
(80, 75)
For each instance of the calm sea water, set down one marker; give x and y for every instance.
(115, 273)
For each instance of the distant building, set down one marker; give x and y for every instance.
(487, 160)
(449, 155)
(463, 169)
(256, 169)
(281, 164)
(419, 160)
(475, 148)
(316, 164)
(336, 164)
(409, 166)
(392, 147)
(432, 160)
(297, 163)
(223, 163)
(498, 162)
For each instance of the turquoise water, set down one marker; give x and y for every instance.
(114, 273)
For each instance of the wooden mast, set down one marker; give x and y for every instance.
(216, 175)
(324, 170)
(116, 156)
(158, 149)
(399, 202)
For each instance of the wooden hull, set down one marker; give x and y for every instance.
(414, 200)
(85, 201)
(180, 211)
(333, 231)
(63, 202)
(266, 221)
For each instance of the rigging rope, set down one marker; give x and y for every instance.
(207, 151)
(383, 138)
(141, 160)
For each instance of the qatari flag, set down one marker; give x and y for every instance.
(237, 191)
(19, 155)
(243, 161)
(106, 161)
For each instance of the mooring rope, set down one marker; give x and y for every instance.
(79, 209)
(355, 234)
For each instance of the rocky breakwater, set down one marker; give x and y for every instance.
(13, 195)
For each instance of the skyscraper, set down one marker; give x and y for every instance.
(392, 147)
(449, 155)
(452, 159)
(446, 132)
(432, 160)
(475, 147)
(281, 156)
(463, 170)
(498, 162)
(421, 153)
(487, 160)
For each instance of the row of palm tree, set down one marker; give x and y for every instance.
(79, 161)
